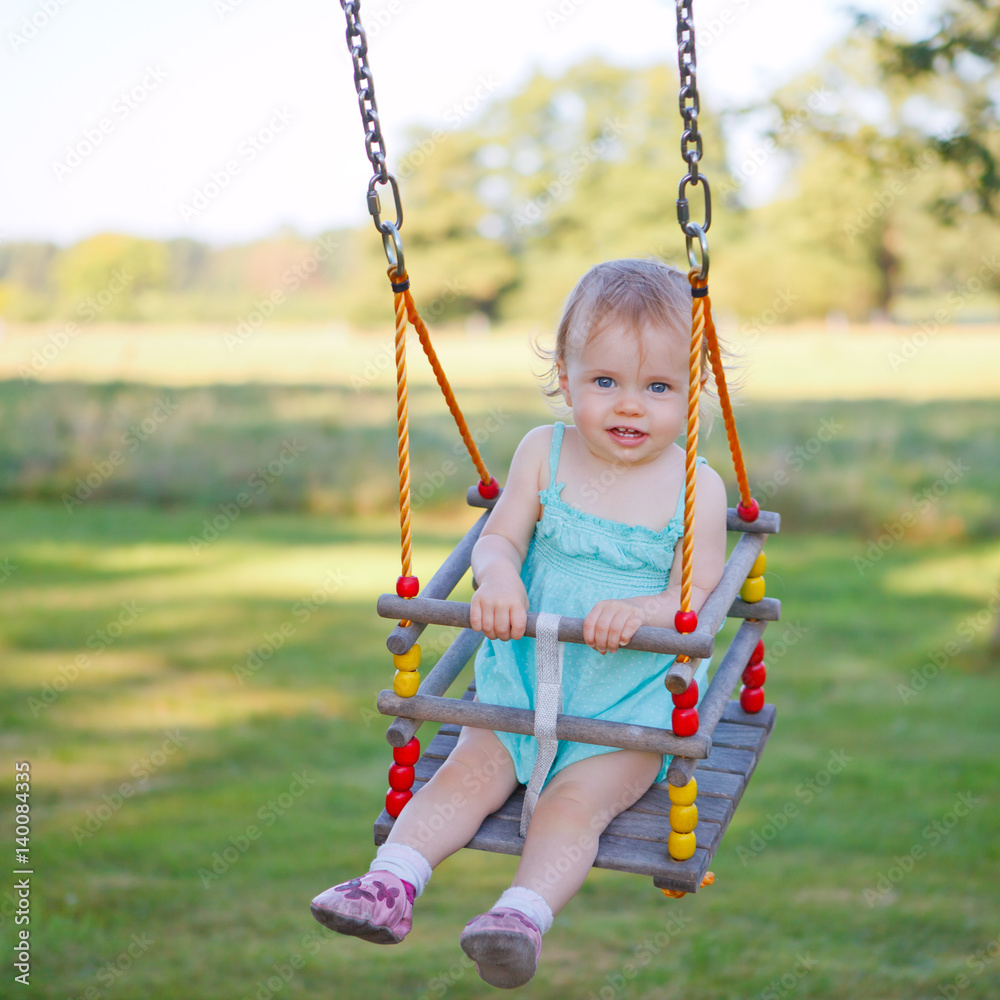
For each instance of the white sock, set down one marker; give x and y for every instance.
(528, 902)
(405, 862)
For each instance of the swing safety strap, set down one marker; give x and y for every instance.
(548, 705)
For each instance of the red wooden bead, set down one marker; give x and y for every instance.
(687, 699)
(757, 655)
(407, 586)
(751, 699)
(754, 675)
(750, 512)
(400, 777)
(409, 753)
(684, 721)
(489, 490)
(686, 621)
(394, 801)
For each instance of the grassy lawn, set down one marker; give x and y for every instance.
(155, 765)
(197, 699)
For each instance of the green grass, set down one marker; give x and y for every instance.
(228, 748)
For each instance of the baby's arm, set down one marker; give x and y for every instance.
(499, 607)
(611, 624)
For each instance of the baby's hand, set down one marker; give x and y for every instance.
(499, 608)
(611, 624)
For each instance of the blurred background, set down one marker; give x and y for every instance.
(198, 455)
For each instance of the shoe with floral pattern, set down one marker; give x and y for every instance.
(377, 907)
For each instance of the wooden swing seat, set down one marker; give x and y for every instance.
(724, 751)
(636, 840)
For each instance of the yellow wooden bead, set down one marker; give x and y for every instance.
(681, 845)
(406, 682)
(685, 795)
(759, 565)
(683, 819)
(753, 589)
(409, 660)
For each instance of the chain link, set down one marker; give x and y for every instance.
(691, 141)
(357, 43)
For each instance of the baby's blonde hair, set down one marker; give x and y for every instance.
(636, 292)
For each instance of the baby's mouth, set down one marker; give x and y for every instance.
(627, 435)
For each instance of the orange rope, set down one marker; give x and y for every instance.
(403, 441)
(442, 380)
(727, 407)
(691, 450)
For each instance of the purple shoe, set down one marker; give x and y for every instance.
(505, 945)
(377, 907)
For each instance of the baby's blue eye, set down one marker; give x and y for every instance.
(658, 386)
(604, 381)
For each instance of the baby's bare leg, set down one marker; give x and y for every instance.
(570, 815)
(475, 780)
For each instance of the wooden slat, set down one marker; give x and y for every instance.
(713, 611)
(574, 728)
(646, 638)
(635, 841)
(767, 609)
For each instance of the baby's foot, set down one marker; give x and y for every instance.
(505, 945)
(377, 907)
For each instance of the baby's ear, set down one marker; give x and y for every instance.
(564, 382)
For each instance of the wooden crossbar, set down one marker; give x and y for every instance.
(522, 720)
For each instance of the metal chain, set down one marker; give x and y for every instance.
(357, 44)
(691, 140)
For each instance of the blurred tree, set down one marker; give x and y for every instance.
(107, 276)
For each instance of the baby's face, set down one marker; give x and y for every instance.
(628, 391)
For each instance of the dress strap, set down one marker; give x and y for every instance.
(557, 438)
(679, 513)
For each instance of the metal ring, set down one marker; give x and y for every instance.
(392, 243)
(373, 206)
(693, 230)
(696, 179)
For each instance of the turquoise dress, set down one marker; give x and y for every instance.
(574, 560)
